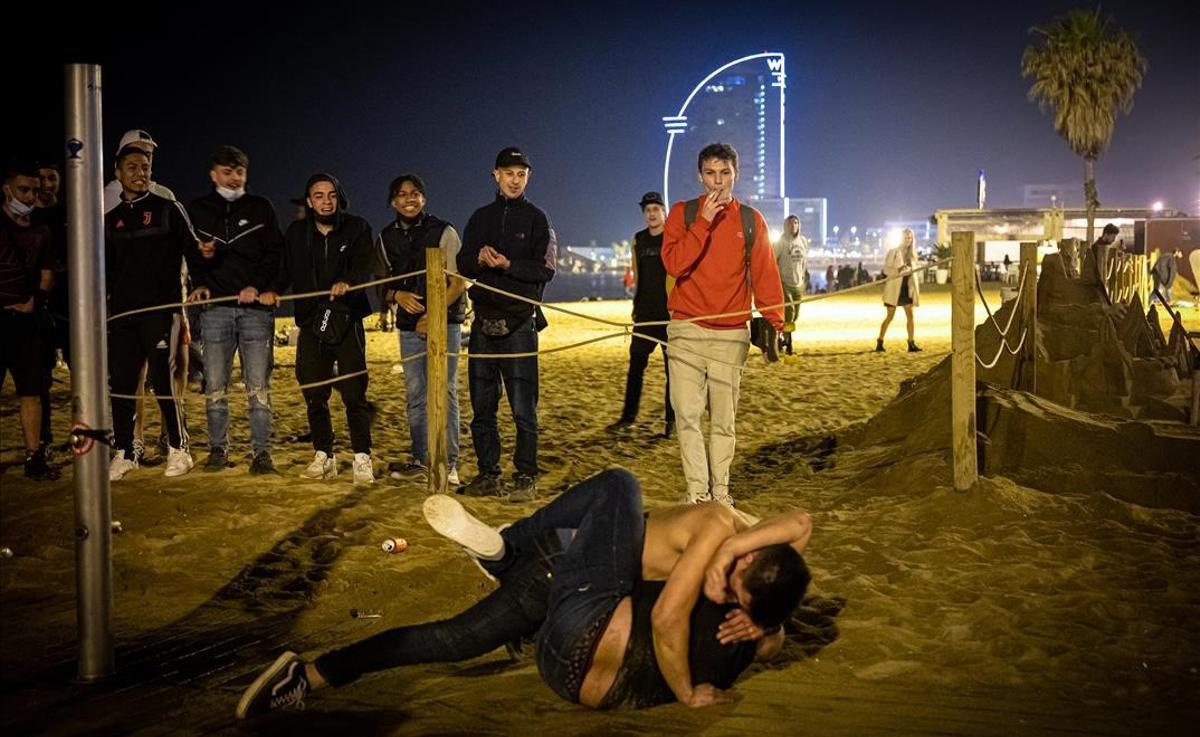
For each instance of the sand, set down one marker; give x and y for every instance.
(1005, 610)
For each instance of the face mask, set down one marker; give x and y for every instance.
(230, 195)
(20, 209)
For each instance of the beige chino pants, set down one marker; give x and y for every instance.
(701, 362)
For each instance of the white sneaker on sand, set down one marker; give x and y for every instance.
(363, 472)
(322, 467)
(179, 462)
(452, 477)
(449, 519)
(120, 466)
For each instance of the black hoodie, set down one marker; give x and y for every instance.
(313, 261)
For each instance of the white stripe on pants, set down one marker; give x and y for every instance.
(699, 382)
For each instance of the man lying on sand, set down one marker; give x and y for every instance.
(616, 612)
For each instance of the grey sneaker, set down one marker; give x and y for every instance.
(523, 489)
(218, 460)
(262, 464)
(280, 687)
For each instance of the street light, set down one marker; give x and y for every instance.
(1157, 206)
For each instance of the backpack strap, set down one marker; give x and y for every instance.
(749, 232)
(690, 209)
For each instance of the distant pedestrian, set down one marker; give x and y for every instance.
(902, 289)
(1164, 272)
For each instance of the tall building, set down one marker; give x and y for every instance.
(742, 103)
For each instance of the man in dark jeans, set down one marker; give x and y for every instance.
(649, 305)
(566, 592)
(510, 245)
(330, 249)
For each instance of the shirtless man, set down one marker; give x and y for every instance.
(614, 611)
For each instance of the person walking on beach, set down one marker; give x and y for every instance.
(510, 245)
(902, 289)
(719, 252)
(330, 250)
(400, 249)
(653, 284)
(1164, 272)
(147, 238)
(241, 249)
(630, 609)
(791, 258)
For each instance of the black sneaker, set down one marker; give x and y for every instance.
(410, 471)
(523, 489)
(913, 347)
(218, 460)
(522, 649)
(667, 433)
(485, 484)
(878, 346)
(262, 464)
(37, 469)
(620, 426)
(280, 687)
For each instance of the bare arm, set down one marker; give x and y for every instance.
(793, 528)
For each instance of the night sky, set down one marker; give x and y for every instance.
(891, 110)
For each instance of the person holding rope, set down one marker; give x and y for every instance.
(401, 250)
(330, 250)
(240, 248)
(628, 608)
(146, 239)
(508, 244)
(791, 258)
(902, 288)
(26, 276)
(653, 284)
(719, 252)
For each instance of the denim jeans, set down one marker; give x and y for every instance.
(416, 387)
(518, 378)
(250, 332)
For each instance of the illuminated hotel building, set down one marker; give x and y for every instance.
(741, 103)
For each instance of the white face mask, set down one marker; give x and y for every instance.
(230, 195)
(20, 209)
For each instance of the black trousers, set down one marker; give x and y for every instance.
(639, 357)
(315, 362)
(133, 341)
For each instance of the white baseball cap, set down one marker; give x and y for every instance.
(137, 137)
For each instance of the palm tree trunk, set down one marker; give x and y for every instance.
(1091, 198)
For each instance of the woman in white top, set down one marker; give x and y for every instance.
(905, 291)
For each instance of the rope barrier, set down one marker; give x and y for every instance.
(1020, 293)
(1000, 351)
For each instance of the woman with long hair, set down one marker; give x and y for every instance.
(902, 288)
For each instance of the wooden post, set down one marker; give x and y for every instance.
(436, 370)
(1195, 418)
(962, 364)
(1029, 315)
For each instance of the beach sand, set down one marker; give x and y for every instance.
(1003, 610)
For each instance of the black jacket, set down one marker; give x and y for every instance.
(249, 246)
(145, 242)
(522, 232)
(315, 262)
(401, 250)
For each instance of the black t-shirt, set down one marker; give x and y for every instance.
(650, 300)
(24, 252)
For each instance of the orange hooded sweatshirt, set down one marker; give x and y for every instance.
(708, 261)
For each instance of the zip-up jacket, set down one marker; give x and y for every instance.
(708, 261)
(249, 245)
(520, 231)
(401, 250)
(145, 242)
(314, 262)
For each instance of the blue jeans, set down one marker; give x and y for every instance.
(416, 386)
(250, 332)
(516, 377)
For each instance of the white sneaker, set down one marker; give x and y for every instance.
(449, 519)
(179, 462)
(120, 466)
(322, 467)
(363, 472)
(452, 478)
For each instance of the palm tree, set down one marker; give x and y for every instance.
(1086, 70)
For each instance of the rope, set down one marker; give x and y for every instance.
(281, 298)
(538, 303)
(1000, 351)
(1020, 292)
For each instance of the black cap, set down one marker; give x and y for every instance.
(512, 156)
(651, 198)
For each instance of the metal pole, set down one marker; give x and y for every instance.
(436, 370)
(89, 359)
(962, 362)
